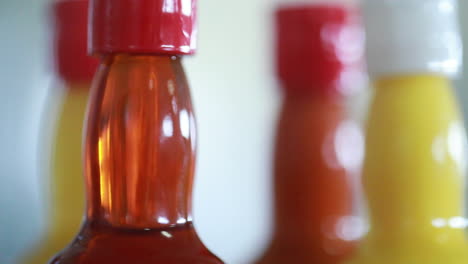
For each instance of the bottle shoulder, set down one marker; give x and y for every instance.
(178, 245)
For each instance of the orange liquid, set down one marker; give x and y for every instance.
(139, 163)
(311, 187)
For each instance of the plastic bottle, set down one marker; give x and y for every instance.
(318, 147)
(414, 167)
(75, 70)
(140, 138)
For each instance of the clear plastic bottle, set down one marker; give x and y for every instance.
(140, 138)
(414, 169)
(318, 146)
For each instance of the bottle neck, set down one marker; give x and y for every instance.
(413, 173)
(312, 160)
(140, 143)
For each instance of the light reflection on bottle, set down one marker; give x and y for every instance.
(457, 144)
(172, 6)
(451, 144)
(168, 126)
(349, 145)
(166, 234)
(169, 6)
(345, 148)
(351, 76)
(163, 220)
(184, 123)
(187, 7)
(181, 221)
(350, 228)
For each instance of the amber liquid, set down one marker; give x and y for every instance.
(139, 164)
(312, 191)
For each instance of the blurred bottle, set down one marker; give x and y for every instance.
(75, 69)
(140, 138)
(319, 48)
(414, 167)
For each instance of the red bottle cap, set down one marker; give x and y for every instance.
(143, 26)
(71, 27)
(320, 48)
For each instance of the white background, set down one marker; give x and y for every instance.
(236, 100)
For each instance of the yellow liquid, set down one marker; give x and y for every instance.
(67, 203)
(414, 174)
